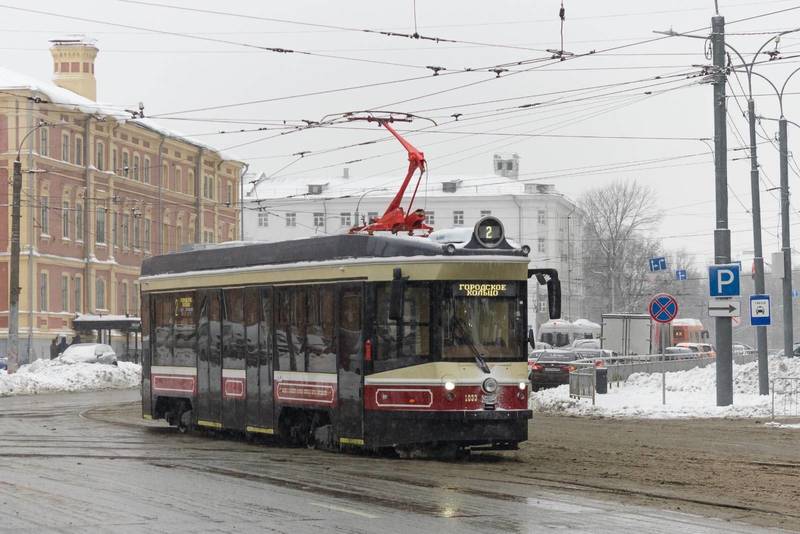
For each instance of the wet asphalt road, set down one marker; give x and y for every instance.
(87, 463)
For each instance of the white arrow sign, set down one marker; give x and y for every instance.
(724, 307)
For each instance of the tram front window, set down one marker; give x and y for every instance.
(405, 342)
(481, 319)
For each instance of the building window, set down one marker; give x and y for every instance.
(123, 308)
(78, 299)
(208, 187)
(190, 188)
(44, 216)
(178, 180)
(99, 160)
(485, 213)
(136, 304)
(319, 220)
(114, 230)
(64, 293)
(178, 236)
(147, 224)
(42, 291)
(65, 147)
(124, 164)
(136, 166)
(78, 150)
(291, 219)
(541, 247)
(126, 221)
(229, 194)
(100, 225)
(78, 222)
(263, 219)
(114, 161)
(458, 217)
(541, 217)
(430, 218)
(146, 171)
(344, 219)
(137, 229)
(100, 294)
(44, 141)
(65, 219)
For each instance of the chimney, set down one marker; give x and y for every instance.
(507, 166)
(73, 65)
(346, 172)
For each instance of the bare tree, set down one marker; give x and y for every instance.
(616, 217)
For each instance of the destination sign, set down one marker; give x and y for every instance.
(484, 290)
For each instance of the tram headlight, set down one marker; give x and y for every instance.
(489, 385)
(526, 249)
(449, 386)
(523, 386)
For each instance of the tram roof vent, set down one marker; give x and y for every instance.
(317, 189)
(450, 186)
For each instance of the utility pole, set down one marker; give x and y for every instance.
(722, 235)
(14, 290)
(758, 253)
(786, 247)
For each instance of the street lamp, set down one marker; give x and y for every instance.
(14, 289)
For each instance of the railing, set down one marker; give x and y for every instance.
(582, 383)
(787, 389)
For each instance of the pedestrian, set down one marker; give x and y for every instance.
(53, 348)
(76, 339)
(62, 344)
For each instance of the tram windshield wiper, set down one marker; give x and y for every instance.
(480, 359)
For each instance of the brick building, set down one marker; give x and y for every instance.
(100, 192)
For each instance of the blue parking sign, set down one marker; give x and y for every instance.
(723, 280)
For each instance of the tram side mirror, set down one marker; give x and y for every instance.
(554, 298)
(397, 297)
(531, 340)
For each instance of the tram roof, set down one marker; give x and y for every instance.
(314, 249)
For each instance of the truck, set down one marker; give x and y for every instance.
(627, 334)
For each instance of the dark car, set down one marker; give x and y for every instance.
(550, 368)
(3, 363)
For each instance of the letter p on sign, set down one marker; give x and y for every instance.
(723, 280)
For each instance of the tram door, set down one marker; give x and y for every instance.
(258, 333)
(350, 409)
(209, 362)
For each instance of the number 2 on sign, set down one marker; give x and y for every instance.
(489, 232)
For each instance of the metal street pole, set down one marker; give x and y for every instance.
(758, 253)
(14, 290)
(722, 236)
(786, 247)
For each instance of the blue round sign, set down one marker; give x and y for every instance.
(663, 308)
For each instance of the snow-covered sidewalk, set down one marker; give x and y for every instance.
(689, 393)
(48, 376)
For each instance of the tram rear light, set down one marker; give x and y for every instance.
(368, 351)
(537, 367)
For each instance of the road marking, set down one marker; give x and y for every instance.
(345, 510)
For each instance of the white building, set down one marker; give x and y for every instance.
(533, 213)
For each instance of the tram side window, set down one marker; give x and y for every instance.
(233, 330)
(265, 327)
(406, 342)
(162, 353)
(320, 337)
(185, 330)
(290, 328)
(146, 358)
(252, 320)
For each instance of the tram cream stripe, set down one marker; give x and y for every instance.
(297, 376)
(173, 370)
(233, 373)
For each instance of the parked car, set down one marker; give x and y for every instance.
(586, 344)
(703, 350)
(795, 351)
(89, 353)
(3, 363)
(679, 353)
(550, 367)
(741, 348)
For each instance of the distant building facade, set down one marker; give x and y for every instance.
(533, 213)
(101, 192)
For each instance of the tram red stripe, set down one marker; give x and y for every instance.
(304, 392)
(437, 398)
(173, 384)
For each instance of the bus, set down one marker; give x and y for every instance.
(417, 345)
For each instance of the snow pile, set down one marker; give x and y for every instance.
(47, 376)
(689, 393)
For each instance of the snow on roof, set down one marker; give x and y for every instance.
(431, 186)
(11, 80)
(87, 317)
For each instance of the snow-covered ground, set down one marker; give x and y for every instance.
(690, 393)
(47, 376)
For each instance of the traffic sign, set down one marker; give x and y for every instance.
(658, 264)
(724, 307)
(760, 310)
(795, 293)
(680, 274)
(723, 280)
(663, 308)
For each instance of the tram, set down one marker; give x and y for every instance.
(376, 340)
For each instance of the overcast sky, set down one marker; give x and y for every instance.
(172, 74)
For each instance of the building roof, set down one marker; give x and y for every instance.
(11, 80)
(386, 186)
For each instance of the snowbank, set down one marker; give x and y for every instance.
(47, 376)
(690, 393)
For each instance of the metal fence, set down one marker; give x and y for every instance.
(582, 383)
(785, 396)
